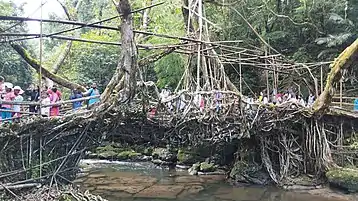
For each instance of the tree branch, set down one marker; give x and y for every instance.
(36, 65)
(292, 21)
(220, 3)
(344, 60)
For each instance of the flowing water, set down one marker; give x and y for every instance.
(123, 181)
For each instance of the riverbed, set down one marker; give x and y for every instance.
(126, 181)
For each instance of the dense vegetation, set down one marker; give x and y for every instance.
(302, 30)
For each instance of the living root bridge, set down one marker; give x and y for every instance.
(290, 141)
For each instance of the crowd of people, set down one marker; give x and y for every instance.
(49, 98)
(44, 101)
(180, 103)
(275, 98)
(283, 97)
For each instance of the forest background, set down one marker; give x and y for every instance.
(303, 30)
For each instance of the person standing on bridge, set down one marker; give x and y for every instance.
(310, 100)
(76, 94)
(18, 98)
(356, 105)
(45, 100)
(33, 95)
(54, 98)
(93, 91)
(218, 100)
(9, 97)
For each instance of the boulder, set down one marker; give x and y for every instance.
(164, 154)
(243, 172)
(207, 167)
(128, 155)
(186, 157)
(111, 152)
(344, 178)
(107, 155)
(194, 169)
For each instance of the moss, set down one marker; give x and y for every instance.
(345, 178)
(148, 151)
(207, 167)
(66, 197)
(187, 157)
(107, 154)
(238, 168)
(124, 155)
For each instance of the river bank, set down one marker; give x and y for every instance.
(115, 180)
(221, 160)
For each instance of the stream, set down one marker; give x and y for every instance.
(143, 181)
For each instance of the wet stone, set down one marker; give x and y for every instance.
(191, 190)
(120, 187)
(161, 191)
(239, 194)
(188, 179)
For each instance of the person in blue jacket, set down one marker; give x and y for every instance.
(93, 91)
(76, 94)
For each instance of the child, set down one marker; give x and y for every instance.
(45, 100)
(18, 98)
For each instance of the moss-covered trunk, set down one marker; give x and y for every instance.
(344, 60)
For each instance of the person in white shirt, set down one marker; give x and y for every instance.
(301, 101)
(164, 95)
(18, 98)
(310, 100)
(265, 101)
(45, 100)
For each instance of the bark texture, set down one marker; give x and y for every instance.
(343, 61)
(123, 82)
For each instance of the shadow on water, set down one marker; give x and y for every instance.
(123, 181)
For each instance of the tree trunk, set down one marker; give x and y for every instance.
(33, 63)
(344, 60)
(123, 81)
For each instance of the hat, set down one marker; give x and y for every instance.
(8, 85)
(18, 88)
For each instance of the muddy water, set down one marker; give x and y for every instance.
(144, 182)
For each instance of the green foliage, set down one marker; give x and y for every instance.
(345, 178)
(12, 67)
(352, 142)
(169, 70)
(91, 62)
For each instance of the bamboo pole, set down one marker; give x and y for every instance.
(344, 97)
(321, 80)
(40, 67)
(240, 72)
(20, 112)
(40, 155)
(22, 19)
(52, 104)
(267, 79)
(199, 45)
(340, 91)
